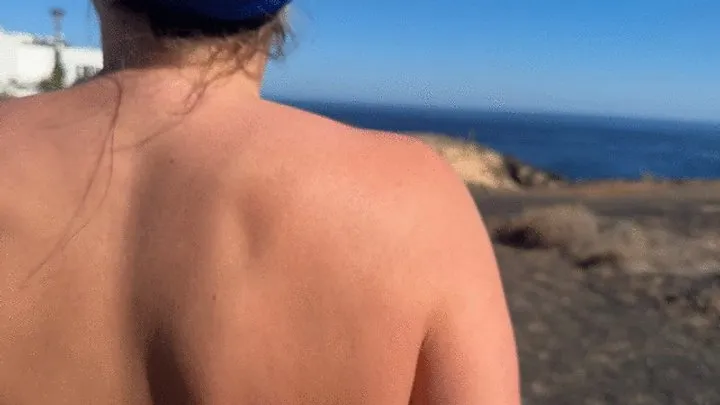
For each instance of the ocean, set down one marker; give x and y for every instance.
(574, 146)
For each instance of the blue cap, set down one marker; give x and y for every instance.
(228, 10)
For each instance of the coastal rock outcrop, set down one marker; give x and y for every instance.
(480, 166)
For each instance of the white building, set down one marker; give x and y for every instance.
(26, 60)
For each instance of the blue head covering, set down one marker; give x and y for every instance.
(227, 10)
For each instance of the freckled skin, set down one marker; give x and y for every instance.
(243, 253)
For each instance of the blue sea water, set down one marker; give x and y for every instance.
(577, 147)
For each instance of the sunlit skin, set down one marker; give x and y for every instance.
(240, 252)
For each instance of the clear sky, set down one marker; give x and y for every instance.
(630, 57)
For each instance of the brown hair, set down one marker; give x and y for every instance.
(177, 33)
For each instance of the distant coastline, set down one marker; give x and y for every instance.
(485, 169)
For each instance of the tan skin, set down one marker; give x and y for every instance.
(242, 253)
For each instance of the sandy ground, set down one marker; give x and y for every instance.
(610, 336)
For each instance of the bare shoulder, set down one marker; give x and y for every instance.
(396, 189)
(10, 110)
(388, 194)
(381, 155)
(51, 111)
(396, 175)
(415, 219)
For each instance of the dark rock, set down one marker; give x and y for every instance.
(528, 176)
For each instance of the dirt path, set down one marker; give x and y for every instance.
(606, 336)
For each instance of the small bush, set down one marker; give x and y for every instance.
(563, 226)
(589, 241)
(579, 234)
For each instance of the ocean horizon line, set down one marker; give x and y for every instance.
(502, 112)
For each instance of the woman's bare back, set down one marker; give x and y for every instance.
(247, 253)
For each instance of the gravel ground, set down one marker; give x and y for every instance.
(607, 334)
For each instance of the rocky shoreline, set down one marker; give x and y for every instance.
(483, 167)
(486, 169)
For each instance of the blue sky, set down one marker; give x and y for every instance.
(656, 58)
